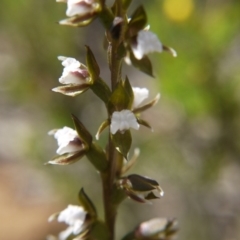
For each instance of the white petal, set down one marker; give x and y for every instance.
(70, 78)
(140, 94)
(67, 139)
(147, 42)
(72, 214)
(77, 8)
(122, 121)
(66, 233)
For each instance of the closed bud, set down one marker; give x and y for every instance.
(141, 189)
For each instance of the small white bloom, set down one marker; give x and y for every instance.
(122, 121)
(140, 94)
(79, 7)
(68, 140)
(73, 72)
(74, 216)
(147, 42)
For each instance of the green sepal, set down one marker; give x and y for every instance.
(143, 64)
(92, 65)
(126, 3)
(142, 184)
(137, 22)
(101, 89)
(104, 125)
(71, 90)
(97, 157)
(144, 123)
(67, 158)
(83, 133)
(99, 231)
(119, 99)
(76, 21)
(86, 203)
(122, 142)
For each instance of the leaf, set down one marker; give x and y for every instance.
(122, 142)
(87, 204)
(106, 16)
(129, 91)
(67, 158)
(83, 133)
(97, 157)
(101, 89)
(92, 65)
(143, 64)
(99, 231)
(119, 99)
(126, 4)
(71, 90)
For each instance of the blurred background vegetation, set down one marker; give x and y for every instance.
(195, 148)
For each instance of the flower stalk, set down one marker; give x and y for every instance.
(128, 39)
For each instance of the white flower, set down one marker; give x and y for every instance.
(73, 72)
(74, 216)
(147, 42)
(122, 121)
(68, 140)
(79, 7)
(140, 94)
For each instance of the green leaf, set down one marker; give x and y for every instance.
(142, 184)
(99, 231)
(119, 99)
(67, 158)
(143, 64)
(92, 65)
(83, 133)
(101, 89)
(97, 157)
(71, 90)
(126, 4)
(106, 16)
(86, 203)
(129, 91)
(137, 22)
(122, 142)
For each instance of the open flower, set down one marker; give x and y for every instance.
(123, 120)
(75, 217)
(140, 94)
(81, 12)
(146, 42)
(75, 77)
(74, 72)
(68, 140)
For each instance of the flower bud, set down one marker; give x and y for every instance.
(141, 189)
